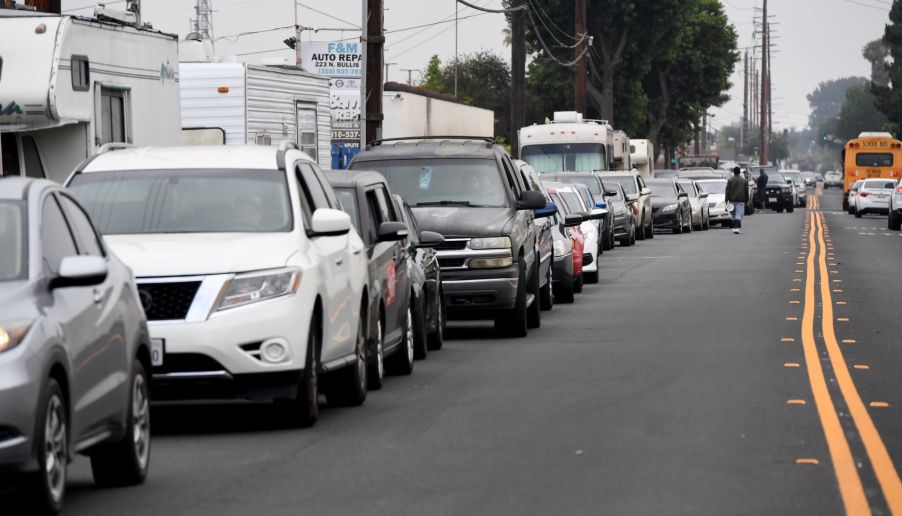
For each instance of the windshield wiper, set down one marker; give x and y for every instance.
(447, 203)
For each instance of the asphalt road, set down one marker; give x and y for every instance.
(674, 386)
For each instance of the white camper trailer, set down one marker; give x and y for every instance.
(411, 111)
(569, 143)
(244, 103)
(621, 159)
(642, 154)
(69, 85)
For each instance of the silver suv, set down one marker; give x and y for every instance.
(74, 349)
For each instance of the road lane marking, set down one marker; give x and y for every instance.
(795, 402)
(792, 318)
(787, 339)
(850, 487)
(795, 290)
(861, 366)
(794, 302)
(849, 341)
(879, 404)
(813, 462)
(791, 364)
(883, 466)
(842, 319)
(840, 302)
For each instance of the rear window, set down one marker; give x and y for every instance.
(627, 182)
(879, 185)
(874, 159)
(590, 182)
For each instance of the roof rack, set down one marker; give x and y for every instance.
(487, 139)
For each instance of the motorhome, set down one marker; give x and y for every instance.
(621, 156)
(642, 155)
(234, 103)
(567, 143)
(71, 84)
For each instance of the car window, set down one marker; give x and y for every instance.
(511, 177)
(13, 235)
(384, 212)
(627, 182)
(324, 183)
(87, 240)
(347, 199)
(313, 185)
(411, 222)
(56, 238)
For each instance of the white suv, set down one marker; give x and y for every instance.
(251, 277)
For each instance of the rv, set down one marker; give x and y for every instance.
(621, 156)
(642, 155)
(71, 85)
(236, 103)
(411, 111)
(568, 143)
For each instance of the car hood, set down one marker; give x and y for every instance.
(193, 254)
(716, 198)
(456, 222)
(17, 301)
(658, 202)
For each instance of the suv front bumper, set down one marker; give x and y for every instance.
(478, 294)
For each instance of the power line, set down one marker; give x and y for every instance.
(867, 5)
(353, 26)
(90, 6)
(495, 11)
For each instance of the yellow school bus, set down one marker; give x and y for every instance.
(870, 155)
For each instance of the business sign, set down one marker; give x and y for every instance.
(341, 62)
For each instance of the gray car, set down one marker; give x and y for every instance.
(74, 349)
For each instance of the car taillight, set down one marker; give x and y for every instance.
(863, 194)
(899, 189)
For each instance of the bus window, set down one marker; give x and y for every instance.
(10, 150)
(873, 159)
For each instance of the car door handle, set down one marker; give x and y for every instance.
(98, 296)
(339, 261)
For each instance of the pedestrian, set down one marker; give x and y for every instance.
(762, 189)
(737, 195)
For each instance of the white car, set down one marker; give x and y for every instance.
(874, 196)
(833, 178)
(894, 221)
(588, 228)
(252, 279)
(717, 205)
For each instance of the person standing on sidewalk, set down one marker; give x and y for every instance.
(737, 195)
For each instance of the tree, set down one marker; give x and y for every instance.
(876, 53)
(432, 80)
(827, 99)
(889, 98)
(858, 113)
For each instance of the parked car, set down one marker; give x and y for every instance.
(698, 201)
(895, 208)
(568, 277)
(801, 186)
(874, 196)
(811, 179)
(593, 183)
(780, 192)
(671, 205)
(700, 173)
(665, 173)
(427, 301)
(366, 198)
(636, 192)
(544, 222)
(716, 201)
(624, 219)
(833, 178)
(469, 191)
(253, 281)
(578, 203)
(75, 353)
(853, 193)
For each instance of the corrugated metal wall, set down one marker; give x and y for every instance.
(272, 97)
(204, 106)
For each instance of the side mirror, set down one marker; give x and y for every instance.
(789, 181)
(530, 200)
(645, 191)
(703, 195)
(683, 195)
(430, 239)
(329, 222)
(546, 211)
(597, 213)
(610, 193)
(393, 231)
(80, 271)
(573, 220)
(602, 205)
(632, 198)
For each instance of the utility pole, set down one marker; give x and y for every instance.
(764, 123)
(518, 75)
(744, 128)
(386, 70)
(409, 74)
(297, 34)
(579, 83)
(456, 20)
(374, 40)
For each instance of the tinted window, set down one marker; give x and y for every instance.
(56, 240)
(662, 189)
(567, 157)
(383, 205)
(879, 185)
(627, 182)
(873, 159)
(13, 263)
(10, 156)
(186, 201)
(87, 240)
(33, 166)
(688, 188)
(347, 198)
(112, 116)
(573, 200)
(425, 182)
(314, 187)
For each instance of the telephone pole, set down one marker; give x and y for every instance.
(518, 75)
(744, 128)
(409, 74)
(764, 122)
(374, 42)
(579, 70)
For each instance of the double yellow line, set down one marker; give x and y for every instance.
(850, 485)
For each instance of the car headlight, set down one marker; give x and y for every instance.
(559, 249)
(479, 244)
(670, 208)
(12, 333)
(491, 263)
(252, 287)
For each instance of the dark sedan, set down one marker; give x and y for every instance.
(670, 204)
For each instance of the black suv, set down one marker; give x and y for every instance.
(468, 190)
(778, 192)
(366, 198)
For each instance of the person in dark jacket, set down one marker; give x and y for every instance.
(737, 194)
(762, 189)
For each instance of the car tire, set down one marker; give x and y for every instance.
(565, 293)
(436, 339)
(790, 209)
(640, 235)
(303, 410)
(649, 229)
(534, 312)
(677, 230)
(590, 277)
(895, 222)
(845, 205)
(125, 463)
(513, 323)
(546, 295)
(43, 492)
(401, 362)
(349, 386)
(375, 377)
(778, 210)
(579, 282)
(858, 214)
(420, 341)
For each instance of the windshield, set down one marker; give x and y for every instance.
(713, 187)
(775, 178)
(795, 176)
(186, 201)
(590, 182)
(609, 187)
(565, 157)
(347, 197)
(573, 200)
(436, 182)
(661, 189)
(687, 187)
(13, 262)
(627, 182)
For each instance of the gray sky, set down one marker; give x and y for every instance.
(818, 39)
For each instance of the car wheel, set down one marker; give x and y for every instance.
(858, 214)
(678, 229)
(649, 229)
(534, 312)
(376, 375)
(590, 277)
(778, 210)
(125, 463)
(303, 410)
(790, 209)
(348, 387)
(437, 337)
(514, 322)
(640, 235)
(895, 222)
(546, 296)
(420, 344)
(632, 241)
(845, 205)
(579, 282)
(401, 363)
(707, 224)
(564, 294)
(45, 490)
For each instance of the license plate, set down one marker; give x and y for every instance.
(157, 350)
(771, 199)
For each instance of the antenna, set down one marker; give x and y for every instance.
(202, 25)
